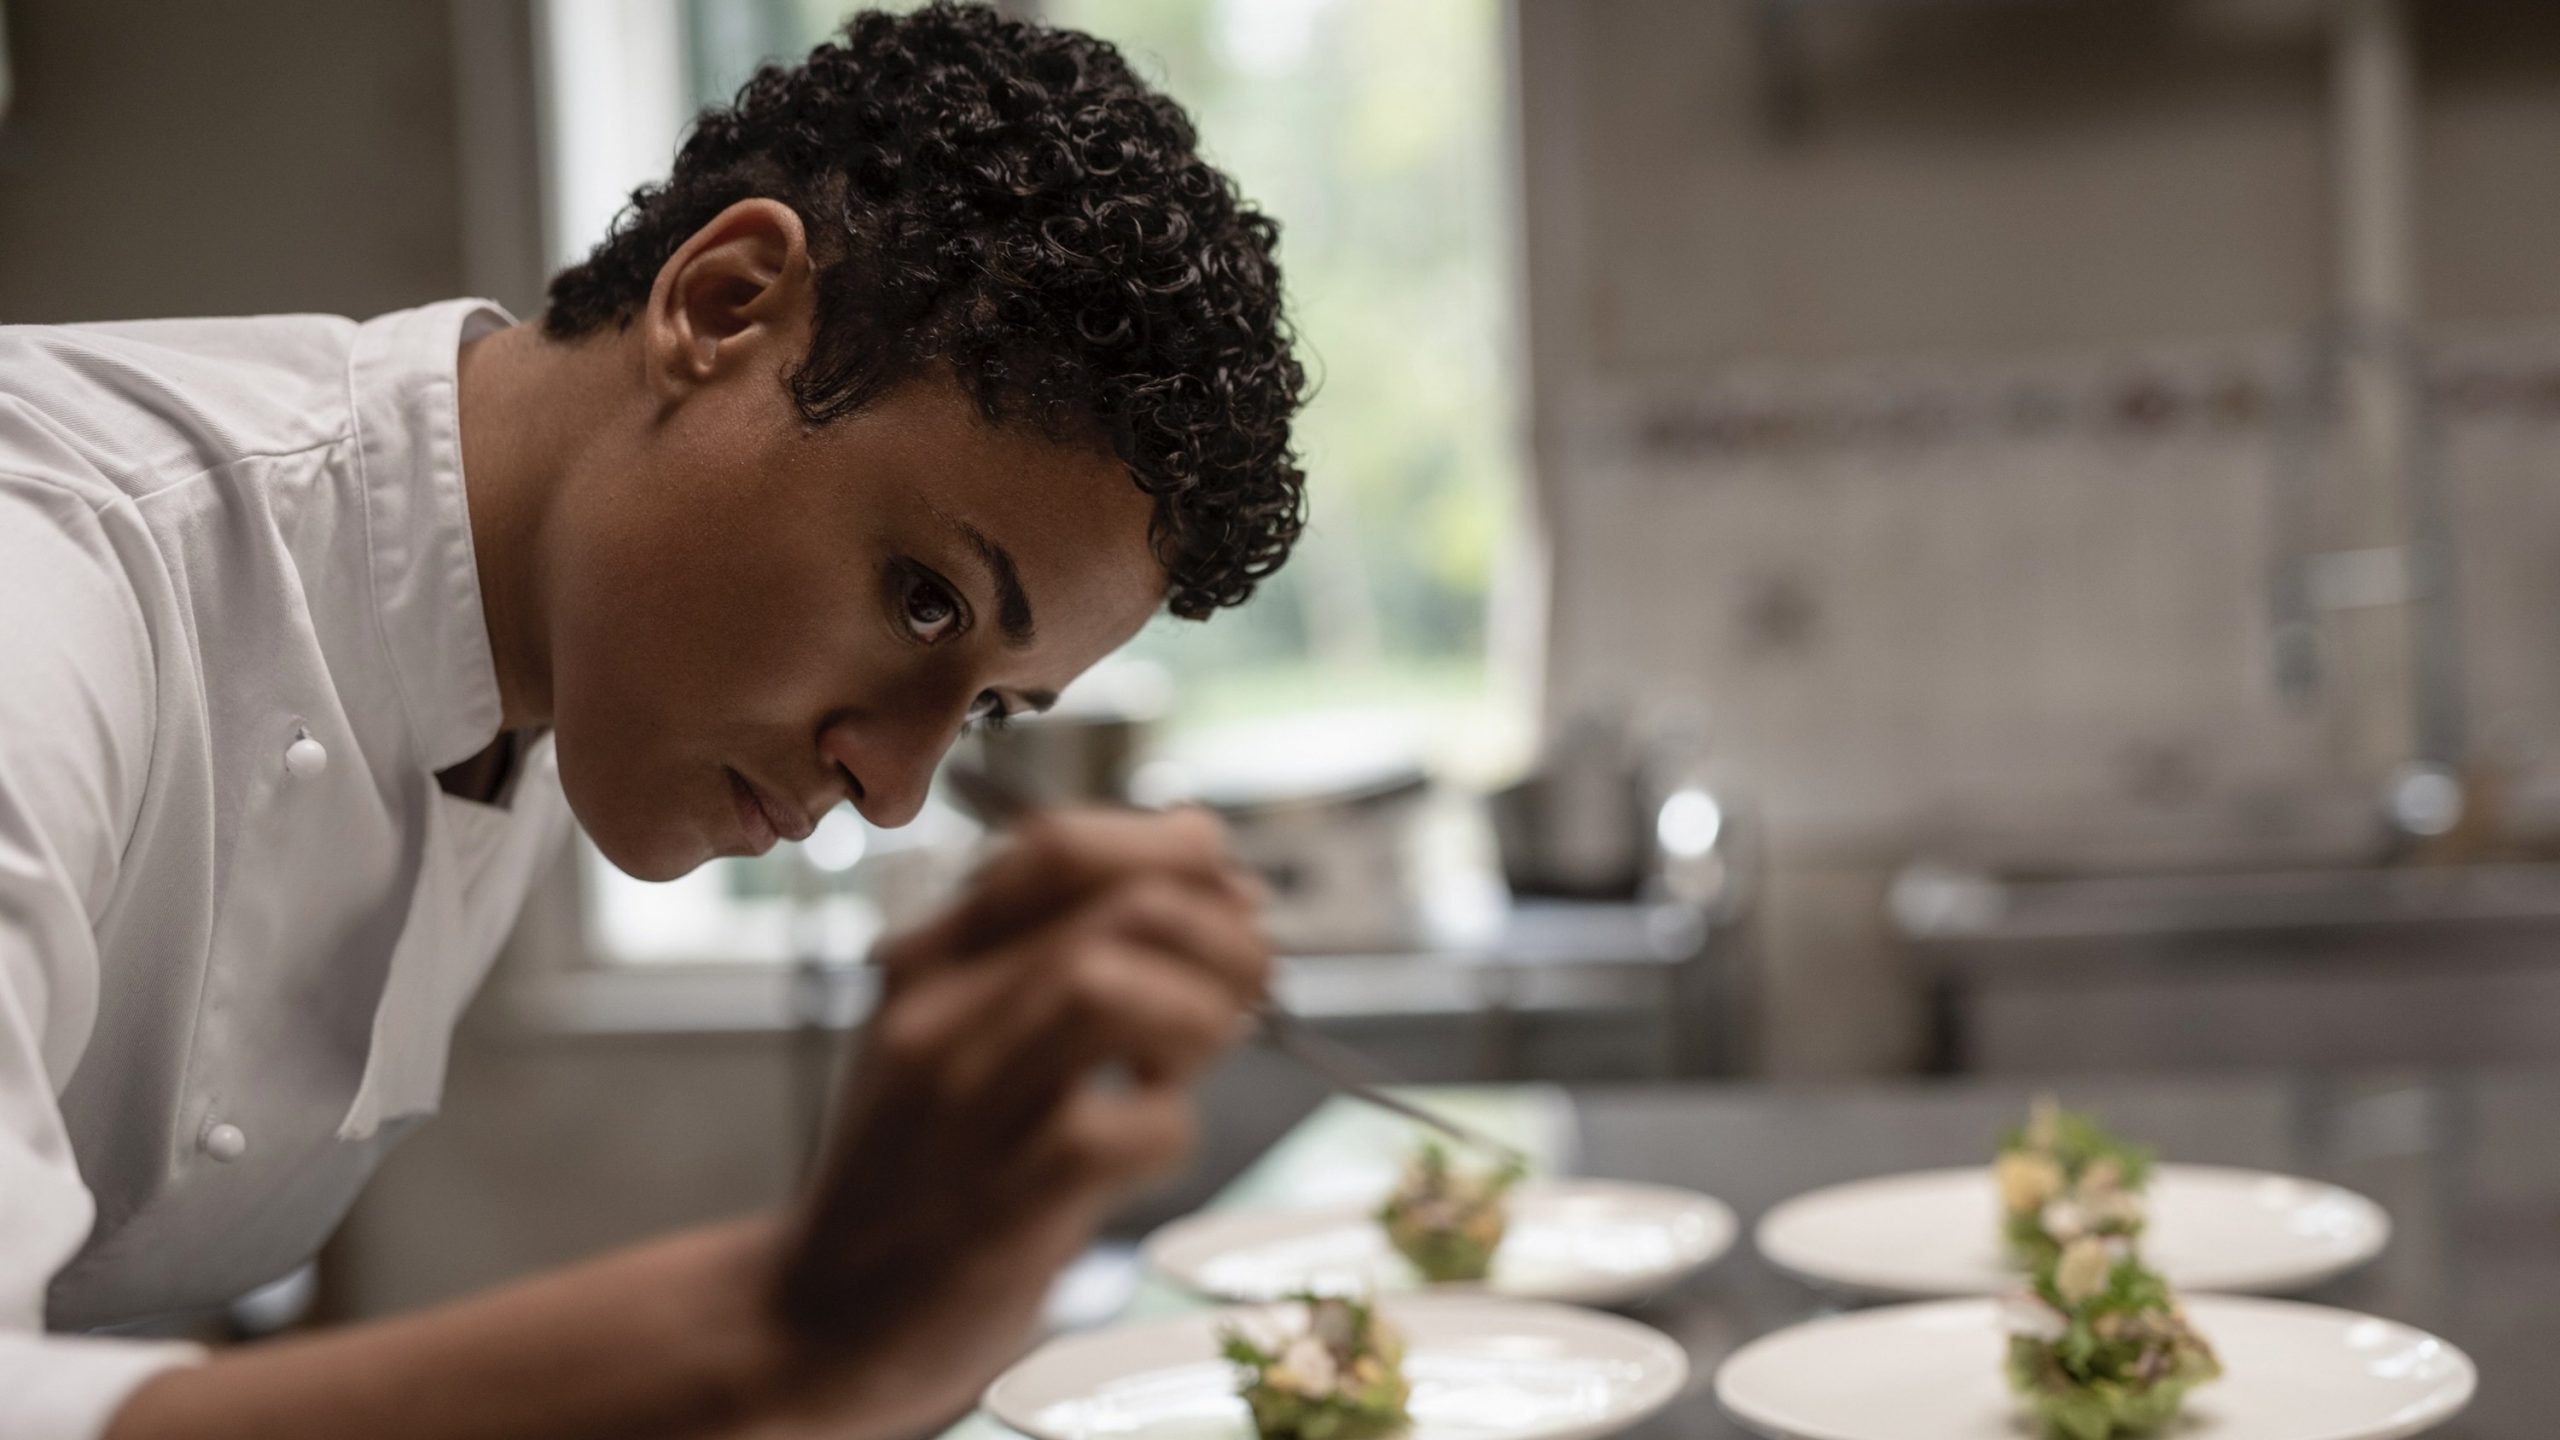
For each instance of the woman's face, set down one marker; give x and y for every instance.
(752, 619)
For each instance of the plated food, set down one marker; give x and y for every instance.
(1447, 1219)
(1339, 1375)
(1480, 1368)
(2206, 1228)
(2062, 1177)
(2099, 1347)
(1934, 1371)
(1582, 1241)
(2092, 1243)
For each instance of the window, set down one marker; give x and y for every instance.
(1377, 133)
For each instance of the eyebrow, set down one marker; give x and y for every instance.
(1013, 607)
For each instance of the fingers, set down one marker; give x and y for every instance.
(1053, 1019)
(1215, 933)
(1129, 1005)
(906, 1094)
(1029, 1062)
(1152, 974)
(1103, 952)
(1106, 1142)
(1058, 1021)
(994, 1071)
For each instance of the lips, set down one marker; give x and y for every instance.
(764, 818)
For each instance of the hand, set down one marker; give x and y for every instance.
(1030, 1062)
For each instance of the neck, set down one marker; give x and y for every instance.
(519, 396)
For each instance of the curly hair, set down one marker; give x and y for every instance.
(1008, 202)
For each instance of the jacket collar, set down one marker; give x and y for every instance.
(426, 583)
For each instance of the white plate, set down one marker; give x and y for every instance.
(1588, 1242)
(1932, 1372)
(1482, 1369)
(1937, 1232)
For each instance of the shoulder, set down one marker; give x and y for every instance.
(76, 716)
(61, 565)
(128, 408)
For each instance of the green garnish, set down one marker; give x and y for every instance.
(2107, 1351)
(1341, 1378)
(1448, 1223)
(2063, 1176)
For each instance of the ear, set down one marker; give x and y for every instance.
(741, 285)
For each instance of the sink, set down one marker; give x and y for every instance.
(2278, 969)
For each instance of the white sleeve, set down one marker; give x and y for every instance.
(75, 738)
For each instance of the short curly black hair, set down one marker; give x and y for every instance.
(1009, 202)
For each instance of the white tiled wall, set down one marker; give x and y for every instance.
(2045, 640)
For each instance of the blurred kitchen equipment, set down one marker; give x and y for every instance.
(1331, 819)
(1606, 817)
(2424, 800)
(1341, 859)
(1694, 854)
(1336, 821)
(1085, 749)
(2028, 971)
(1575, 827)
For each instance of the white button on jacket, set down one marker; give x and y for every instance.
(240, 631)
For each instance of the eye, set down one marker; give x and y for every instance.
(931, 612)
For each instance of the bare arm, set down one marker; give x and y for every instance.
(665, 1339)
(974, 1156)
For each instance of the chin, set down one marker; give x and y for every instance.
(656, 862)
(644, 847)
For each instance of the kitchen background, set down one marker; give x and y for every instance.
(2005, 536)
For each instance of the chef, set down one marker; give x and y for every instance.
(938, 366)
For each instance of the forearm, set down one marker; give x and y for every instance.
(975, 1154)
(669, 1339)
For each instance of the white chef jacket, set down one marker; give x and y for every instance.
(227, 983)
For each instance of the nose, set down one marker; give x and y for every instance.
(890, 762)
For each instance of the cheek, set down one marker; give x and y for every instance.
(651, 830)
(687, 613)
(681, 643)
(650, 707)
